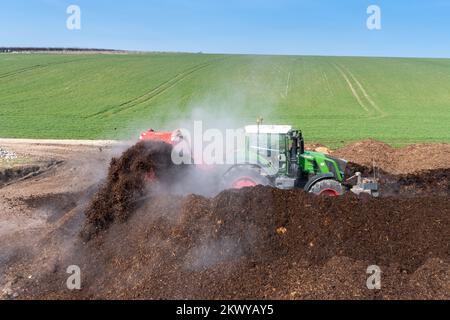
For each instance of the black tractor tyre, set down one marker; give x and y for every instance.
(327, 187)
(239, 178)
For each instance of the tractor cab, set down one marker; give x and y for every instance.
(282, 156)
(268, 146)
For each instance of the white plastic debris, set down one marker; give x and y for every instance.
(7, 155)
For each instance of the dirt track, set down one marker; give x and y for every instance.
(254, 243)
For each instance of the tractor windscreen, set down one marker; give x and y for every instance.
(267, 148)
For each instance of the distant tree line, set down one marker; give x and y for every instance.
(32, 49)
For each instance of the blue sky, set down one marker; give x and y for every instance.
(310, 27)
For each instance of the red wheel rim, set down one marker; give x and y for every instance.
(329, 193)
(244, 182)
(150, 177)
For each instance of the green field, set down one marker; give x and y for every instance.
(333, 99)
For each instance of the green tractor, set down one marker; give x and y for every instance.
(276, 156)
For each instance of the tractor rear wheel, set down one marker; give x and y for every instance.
(328, 187)
(242, 177)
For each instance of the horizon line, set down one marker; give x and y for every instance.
(131, 51)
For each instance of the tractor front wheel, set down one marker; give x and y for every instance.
(328, 187)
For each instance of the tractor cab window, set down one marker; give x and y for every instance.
(266, 146)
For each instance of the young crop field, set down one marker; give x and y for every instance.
(334, 100)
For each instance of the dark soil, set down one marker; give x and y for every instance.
(129, 184)
(255, 243)
(427, 182)
(407, 160)
(266, 243)
(7, 176)
(126, 183)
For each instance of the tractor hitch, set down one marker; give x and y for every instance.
(365, 185)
